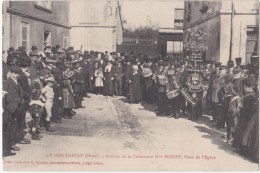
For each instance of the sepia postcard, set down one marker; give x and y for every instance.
(130, 85)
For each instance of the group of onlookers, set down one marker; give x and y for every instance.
(50, 84)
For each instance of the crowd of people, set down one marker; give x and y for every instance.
(50, 84)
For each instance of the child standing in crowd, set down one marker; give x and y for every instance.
(99, 80)
(36, 110)
(233, 114)
(48, 94)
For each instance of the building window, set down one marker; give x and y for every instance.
(169, 47)
(25, 35)
(43, 5)
(251, 43)
(178, 24)
(178, 47)
(178, 18)
(174, 47)
(47, 38)
(65, 41)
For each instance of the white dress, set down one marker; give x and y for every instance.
(99, 78)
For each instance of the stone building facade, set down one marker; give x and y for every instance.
(96, 25)
(39, 23)
(229, 28)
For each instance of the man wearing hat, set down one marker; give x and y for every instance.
(35, 65)
(180, 100)
(253, 67)
(109, 78)
(88, 67)
(127, 77)
(13, 103)
(148, 82)
(14, 58)
(60, 62)
(10, 50)
(78, 85)
(57, 48)
(24, 80)
(161, 82)
(214, 74)
(216, 98)
(6, 127)
(34, 49)
(237, 81)
(238, 62)
(118, 76)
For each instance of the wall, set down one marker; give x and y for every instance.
(218, 26)
(244, 15)
(192, 9)
(93, 38)
(93, 12)
(56, 22)
(96, 25)
(6, 30)
(36, 30)
(59, 10)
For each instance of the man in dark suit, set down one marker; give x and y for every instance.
(13, 102)
(23, 80)
(34, 68)
(118, 76)
(90, 74)
(78, 85)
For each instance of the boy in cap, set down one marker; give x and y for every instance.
(48, 94)
(233, 113)
(36, 110)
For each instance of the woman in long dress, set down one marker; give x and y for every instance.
(135, 86)
(108, 73)
(249, 131)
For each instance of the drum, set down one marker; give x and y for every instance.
(147, 72)
(172, 94)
